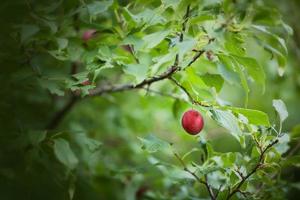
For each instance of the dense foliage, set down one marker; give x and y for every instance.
(93, 93)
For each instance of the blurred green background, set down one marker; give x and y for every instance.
(117, 121)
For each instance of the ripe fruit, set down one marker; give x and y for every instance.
(88, 34)
(192, 122)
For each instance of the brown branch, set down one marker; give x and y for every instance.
(218, 191)
(259, 163)
(205, 183)
(185, 20)
(60, 114)
(120, 88)
(198, 54)
(163, 94)
(125, 87)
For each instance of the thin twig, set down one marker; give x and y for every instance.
(60, 114)
(163, 94)
(125, 87)
(198, 54)
(210, 191)
(183, 28)
(259, 163)
(188, 94)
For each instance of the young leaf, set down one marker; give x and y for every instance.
(280, 107)
(255, 117)
(139, 71)
(64, 153)
(98, 7)
(27, 31)
(35, 137)
(153, 144)
(253, 69)
(154, 39)
(228, 121)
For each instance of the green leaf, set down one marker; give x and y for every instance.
(98, 7)
(64, 153)
(227, 120)
(233, 65)
(36, 137)
(213, 80)
(150, 17)
(27, 31)
(163, 59)
(139, 71)
(59, 54)
(154, 39)
(153, 144)
(170, 3)
(184, 47)
(283, 144)
(280, 107)
(234, 44)
(202, 18)
(253, 68)
(62, 43)
(255, 117)
(91, 144)
(292, 161)
(280, 41)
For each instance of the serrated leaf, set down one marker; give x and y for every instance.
(227, 120)
(153, 144)
(64, 153)
(253, 68)
(283, 144)
(139, 71)
(213, 80)
(184, 47)
(62, 43)
(35, 137)
(280, 41)
(233, 65)
(234, 44)
(255, 117)
(150, 17)
(59, 54)
(98, 7)
(27, 31)
(154, 39)
(202, 18)
(280, 107)
(170, 3)
(91, 144)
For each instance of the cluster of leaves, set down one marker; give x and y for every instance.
(186, 50)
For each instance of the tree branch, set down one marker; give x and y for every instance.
(60, 114)
(125, 87)
(121, 88)
(210, 191)
(188, 94)
(259, 163)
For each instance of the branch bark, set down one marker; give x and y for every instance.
(60, 114)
